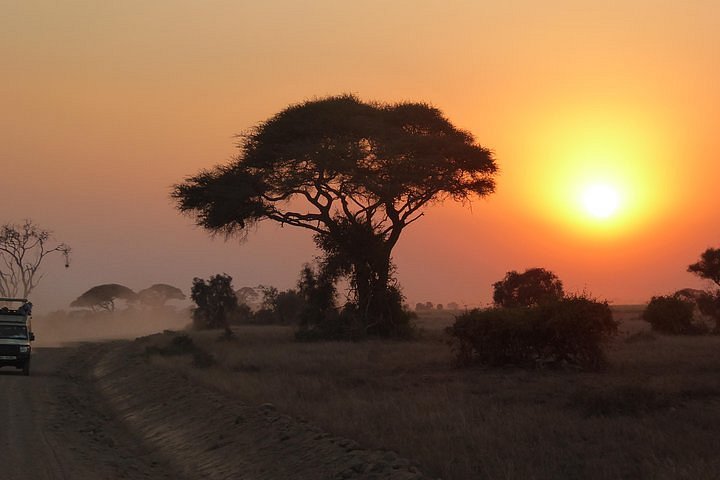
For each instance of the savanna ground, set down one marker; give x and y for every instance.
(654, 413)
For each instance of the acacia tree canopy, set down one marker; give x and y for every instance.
(104, 296)
(708, 267)
(158, 294)
(346, 160)
(339, 165)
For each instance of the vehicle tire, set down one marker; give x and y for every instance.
(26, 368)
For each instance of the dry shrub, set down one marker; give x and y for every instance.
(183, 345)
(572, 330)
(178, 345)
(626, 400)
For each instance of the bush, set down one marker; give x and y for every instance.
(672, 315)
(322, 319)
(178, 345)
(342, 324)
(242, 315)
(183, 345)
(203, 359)
(348, 323)
(709, 305)
(571, 330)
(534, 286)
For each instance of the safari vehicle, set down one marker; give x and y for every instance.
(15, 333)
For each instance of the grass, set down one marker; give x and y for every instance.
(654, 414)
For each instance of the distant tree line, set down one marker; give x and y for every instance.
(430, 306)
(219, 305)
(103, 297)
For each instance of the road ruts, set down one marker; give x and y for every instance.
(54, 426)
(25, 450)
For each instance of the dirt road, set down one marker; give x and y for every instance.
(101, 411)
(52, 426)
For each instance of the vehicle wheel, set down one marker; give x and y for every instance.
(26, 369)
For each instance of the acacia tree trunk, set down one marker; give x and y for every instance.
(372, 280)
(363, 254)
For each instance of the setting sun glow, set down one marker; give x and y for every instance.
(604, 129)
(601, 201)
(603, 174)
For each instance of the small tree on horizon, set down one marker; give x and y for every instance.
(534, 286)
(102, 297)
(250, 296)
(216, 302)
(159, 294)
(671, 315)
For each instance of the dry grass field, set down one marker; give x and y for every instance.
(655, 413)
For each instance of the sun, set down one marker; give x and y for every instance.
(600, 201)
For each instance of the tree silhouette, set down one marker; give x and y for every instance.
(532, 287)
(22, 250)
(249, 296)
(215, 300)
(159, 294)
(708, 267)
(354, 173)
(103, 297)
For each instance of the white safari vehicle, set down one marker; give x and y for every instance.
(15, 333)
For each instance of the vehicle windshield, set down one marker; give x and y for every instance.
(17, 332)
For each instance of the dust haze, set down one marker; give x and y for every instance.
(64, 327)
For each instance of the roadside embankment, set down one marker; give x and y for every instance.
(206, 434)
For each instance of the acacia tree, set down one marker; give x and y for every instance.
(23, 247)
(103, 297)
(158, 294)
(708, 267)
(354, 173)
(532, 287)
(250, 296)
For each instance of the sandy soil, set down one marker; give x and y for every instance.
(52, 426)
(100, 411)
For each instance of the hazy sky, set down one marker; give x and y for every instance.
(105, 105)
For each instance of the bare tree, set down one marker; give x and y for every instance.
(23, 247)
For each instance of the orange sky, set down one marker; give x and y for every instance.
(106, 104)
